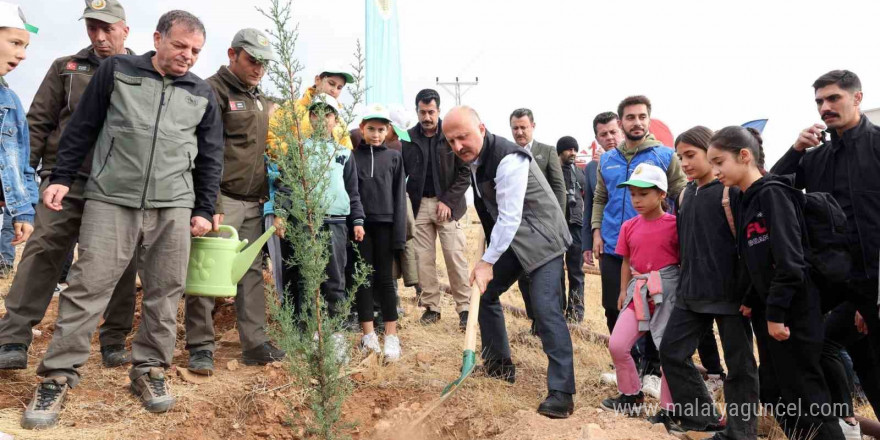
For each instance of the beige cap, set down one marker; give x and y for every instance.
(255, 43)
(108, 11)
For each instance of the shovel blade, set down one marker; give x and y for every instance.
(468, 363)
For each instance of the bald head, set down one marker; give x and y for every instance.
(464, 132)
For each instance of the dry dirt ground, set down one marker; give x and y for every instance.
(241, 402)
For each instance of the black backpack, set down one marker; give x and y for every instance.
(826, 243)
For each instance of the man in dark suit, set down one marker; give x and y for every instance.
(522, 126)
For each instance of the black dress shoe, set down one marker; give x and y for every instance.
(557, 405)
(503, 369)
(462, 320)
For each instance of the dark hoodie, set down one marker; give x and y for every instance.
(770, 239)
(708, 281)
(382, 185)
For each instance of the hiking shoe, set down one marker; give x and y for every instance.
(153, 391)
(663, 416)
(370, 343)
(557, 405)
(45, 407)
(263, 354)
(630, 405)
(201, 362)
(114, 355)
(651, 385)
(430, 317)
(462, 320)
(503, 369)
(392, 348)
(13, 356)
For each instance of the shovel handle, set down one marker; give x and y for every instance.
(470, 334)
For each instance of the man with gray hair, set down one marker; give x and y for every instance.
(529, 235)
(157, 138)
(55, 232)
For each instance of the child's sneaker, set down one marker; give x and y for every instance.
(609, 378)
(370, 343)
(625, 404)
(392, 348)
(651, 385)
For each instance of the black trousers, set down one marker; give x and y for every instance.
(333, 289)
(841, 331)
(693, 405)
(376, 251)
(574, 266)
(546, 307)
(792, 383)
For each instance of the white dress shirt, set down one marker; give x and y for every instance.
(511, 180)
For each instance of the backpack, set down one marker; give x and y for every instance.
(725, 203)
(826, 244)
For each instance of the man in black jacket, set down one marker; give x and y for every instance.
(846, 167)
(436, 183)
(575, 182)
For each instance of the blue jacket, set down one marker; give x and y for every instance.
(616, 170)
(19, 186)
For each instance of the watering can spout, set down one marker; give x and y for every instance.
(245, 258)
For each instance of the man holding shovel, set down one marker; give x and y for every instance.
(530, 236)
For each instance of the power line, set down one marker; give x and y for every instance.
(455, 87)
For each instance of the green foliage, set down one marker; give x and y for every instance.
(311, 338)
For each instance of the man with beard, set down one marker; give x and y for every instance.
(567, 149)
(56, 232)
(612, 205)
(608, 135)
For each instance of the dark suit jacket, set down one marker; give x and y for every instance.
(590, 171)
(548, 162)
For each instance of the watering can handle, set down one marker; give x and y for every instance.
(232, 232)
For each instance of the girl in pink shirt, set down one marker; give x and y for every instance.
(649, 278)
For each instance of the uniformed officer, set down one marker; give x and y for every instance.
(56, 232)
(243, 190)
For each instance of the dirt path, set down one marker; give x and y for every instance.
(241, 402)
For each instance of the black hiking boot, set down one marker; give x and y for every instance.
(262, 355)
(557, 405)
(114, 355)
(503, 369)
(201, 362)
(429, 317)
(13, 356)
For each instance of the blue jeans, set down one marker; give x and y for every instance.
(7, 234)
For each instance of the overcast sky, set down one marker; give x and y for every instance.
(700, 62)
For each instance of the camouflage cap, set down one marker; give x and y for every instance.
(255, 43)
(108, 11)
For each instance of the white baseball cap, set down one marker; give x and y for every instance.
(647, 176)
(325, 99)
(399, 121)
(11, 16)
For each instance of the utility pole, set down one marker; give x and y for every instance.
(454, 88)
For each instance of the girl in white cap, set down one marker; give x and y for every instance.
(649, 277)
(18, 191)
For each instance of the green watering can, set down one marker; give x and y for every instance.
(217, 263)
